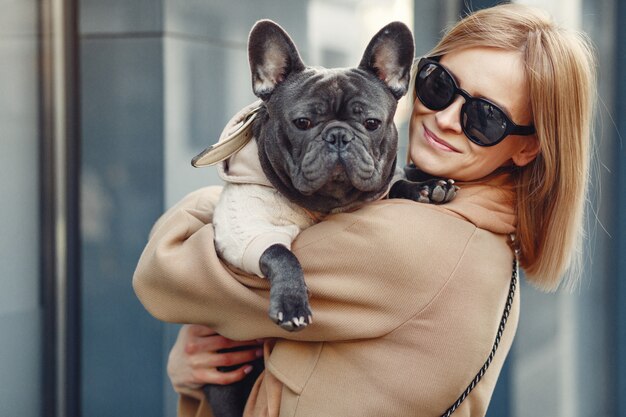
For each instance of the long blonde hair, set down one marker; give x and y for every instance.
(551, 191)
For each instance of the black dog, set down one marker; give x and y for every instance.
(326, 143)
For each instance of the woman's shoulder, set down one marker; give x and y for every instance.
(411, 244)
(401, 238)
(400, 221)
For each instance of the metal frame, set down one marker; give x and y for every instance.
(619, 263)
(59, 176)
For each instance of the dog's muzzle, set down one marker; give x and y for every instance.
(338, 135)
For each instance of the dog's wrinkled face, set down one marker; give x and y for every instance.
(329, 137)
(326, 137)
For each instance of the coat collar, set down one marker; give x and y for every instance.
(488, 204)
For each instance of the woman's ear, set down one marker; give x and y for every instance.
(527, 152)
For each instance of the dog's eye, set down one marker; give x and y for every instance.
(372, 124)
(303, 123)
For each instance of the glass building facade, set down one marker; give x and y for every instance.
(104, 102)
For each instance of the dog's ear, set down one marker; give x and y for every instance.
(273, 56)
(389, 56)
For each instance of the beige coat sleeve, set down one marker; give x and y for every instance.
(368, 271)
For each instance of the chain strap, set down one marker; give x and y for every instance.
(505, 317)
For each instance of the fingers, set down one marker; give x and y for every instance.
(214, 343)
(213, 360)
(193, 359)
(213, 376)
(199, 330)
(202, 376)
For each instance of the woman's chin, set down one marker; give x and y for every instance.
(434, 168)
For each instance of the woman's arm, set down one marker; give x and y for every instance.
(368, 271)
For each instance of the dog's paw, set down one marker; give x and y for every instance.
(290, 309)
(289, 299)
(439, 191)
(433, 191)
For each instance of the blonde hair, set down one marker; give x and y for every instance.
(550, 191)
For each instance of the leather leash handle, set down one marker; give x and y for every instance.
(230, 145)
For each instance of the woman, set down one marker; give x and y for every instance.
(407, 297)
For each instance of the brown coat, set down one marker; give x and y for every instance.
(406, 298)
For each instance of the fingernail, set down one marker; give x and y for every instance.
(247, 369)
(259, 353)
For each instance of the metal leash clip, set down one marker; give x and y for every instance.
(233, 143)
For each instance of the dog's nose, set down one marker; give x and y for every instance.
(337, 136)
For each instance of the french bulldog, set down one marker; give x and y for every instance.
(326, 143)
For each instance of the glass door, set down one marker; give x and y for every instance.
(21, 312)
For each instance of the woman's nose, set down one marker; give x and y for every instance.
(450, 117)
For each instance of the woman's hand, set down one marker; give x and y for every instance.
(194, 358)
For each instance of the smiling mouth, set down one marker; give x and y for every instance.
(437, 142)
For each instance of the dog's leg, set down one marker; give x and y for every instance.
(230, 400)
(289, 301)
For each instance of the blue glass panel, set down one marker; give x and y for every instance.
(18, 17)
(205, 84)
(230, 21)
(20, 351)
(120, 16)
(20, 309)
(121, 197)
(19, 222)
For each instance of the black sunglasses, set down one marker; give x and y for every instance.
(482, 121)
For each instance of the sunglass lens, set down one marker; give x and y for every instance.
(484, 123)
(435, 88)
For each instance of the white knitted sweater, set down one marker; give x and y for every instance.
(251, 214)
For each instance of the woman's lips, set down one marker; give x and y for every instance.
(437, 142)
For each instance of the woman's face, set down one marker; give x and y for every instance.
(437, 144)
